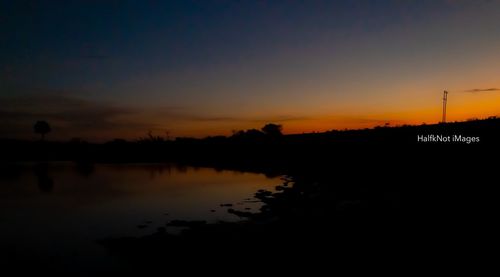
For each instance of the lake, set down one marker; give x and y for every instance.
(54, 212)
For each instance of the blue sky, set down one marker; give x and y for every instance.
(206, 67)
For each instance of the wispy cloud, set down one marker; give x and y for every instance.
(483, 90)
(70, 116)
(192, 115)
(281, 118)
(77, 117)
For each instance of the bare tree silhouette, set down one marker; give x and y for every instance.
(42, 127)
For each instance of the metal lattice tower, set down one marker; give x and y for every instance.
(445, 99)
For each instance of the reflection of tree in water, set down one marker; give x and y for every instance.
(45, 182)
(158, 170)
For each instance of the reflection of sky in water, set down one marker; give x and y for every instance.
(60, 207)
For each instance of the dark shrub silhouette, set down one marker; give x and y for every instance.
(251, 134)
(42, 127)
(272, 129)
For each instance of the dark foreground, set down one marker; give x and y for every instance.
(413, 206)
(368, 204)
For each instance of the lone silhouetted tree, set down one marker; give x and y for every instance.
(272, 129)
(42, 127)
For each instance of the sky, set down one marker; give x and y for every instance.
(100, 70)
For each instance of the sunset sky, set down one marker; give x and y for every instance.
(104, 69)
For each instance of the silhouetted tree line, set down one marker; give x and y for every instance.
(266, 145)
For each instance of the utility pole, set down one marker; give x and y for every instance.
(445, 99)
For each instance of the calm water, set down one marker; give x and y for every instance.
(57, 211)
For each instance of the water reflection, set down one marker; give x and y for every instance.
(85, 169)
(53, 208)
(45, 182)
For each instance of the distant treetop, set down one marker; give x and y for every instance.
(41, 127)
(272, 129)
